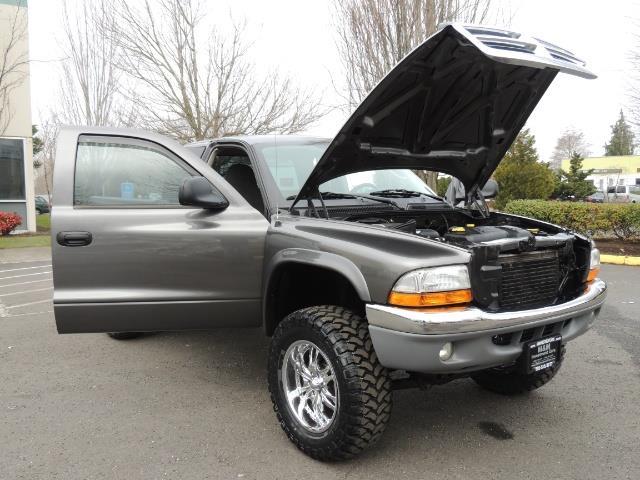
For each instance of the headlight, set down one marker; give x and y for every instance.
(594, 264)
(432, 287)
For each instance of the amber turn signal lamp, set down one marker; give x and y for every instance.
(430, 299)
(593, 274)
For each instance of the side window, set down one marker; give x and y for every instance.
(222, 159)
(234, 165)
(126, 173)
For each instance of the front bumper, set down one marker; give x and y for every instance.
(411, 339)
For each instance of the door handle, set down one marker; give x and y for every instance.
(74, 239)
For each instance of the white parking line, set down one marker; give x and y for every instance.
(25, 275)
(26, 304)
(25, 283)
(24, 268)
(26, 291)
(25, 314)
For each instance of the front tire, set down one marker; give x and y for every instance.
(511, 381)
(330, 394)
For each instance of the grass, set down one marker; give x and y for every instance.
(43, 222)
(40, 239)
(26, 240)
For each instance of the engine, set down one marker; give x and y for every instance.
(515, 263)
(465, 235)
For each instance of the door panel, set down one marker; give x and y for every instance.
(130, 258)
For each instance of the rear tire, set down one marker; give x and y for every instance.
(359, 385)
(124, 335)
(513, 382)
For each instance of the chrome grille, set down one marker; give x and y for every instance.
(529, 280)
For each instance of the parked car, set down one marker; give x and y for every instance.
(595, 197)
(42, 205)
(566, 198)
(623, 194)
(364, 279)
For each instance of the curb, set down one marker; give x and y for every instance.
(620, 260)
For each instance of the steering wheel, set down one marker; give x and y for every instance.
(363, 188)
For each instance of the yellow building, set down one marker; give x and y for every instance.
(609, 171)
(16, 162)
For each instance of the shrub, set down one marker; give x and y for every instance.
(8, 222)
(520, 174)
(621, 220)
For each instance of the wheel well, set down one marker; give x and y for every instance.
(294, 286)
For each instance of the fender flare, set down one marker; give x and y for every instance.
(313, 258)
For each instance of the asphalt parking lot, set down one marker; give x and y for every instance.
(195, 405)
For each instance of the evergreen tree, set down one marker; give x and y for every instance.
(442, 185)
(36, 145)
(37, 141)
(520, 175)
(574, 183)
(622, 139)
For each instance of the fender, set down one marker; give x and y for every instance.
(315, 258)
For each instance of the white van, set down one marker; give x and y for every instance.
(624, 193)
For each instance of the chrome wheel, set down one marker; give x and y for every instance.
(330, 394)
(310, 386)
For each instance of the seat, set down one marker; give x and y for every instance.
(242, 178)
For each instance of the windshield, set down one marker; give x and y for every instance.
(291, 164)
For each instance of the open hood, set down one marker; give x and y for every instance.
(453, 105)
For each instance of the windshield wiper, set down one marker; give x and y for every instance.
(402, 193)
(328, 196)
(336, 196)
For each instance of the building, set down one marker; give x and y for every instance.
(609, 171)
(16, 158)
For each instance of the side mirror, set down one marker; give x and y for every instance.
(490, 189)
(198, 192)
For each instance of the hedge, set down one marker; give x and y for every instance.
(603, 220)
(8, 222)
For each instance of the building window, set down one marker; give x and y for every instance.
(637, 181)
(11, 169)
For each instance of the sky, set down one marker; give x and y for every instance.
(297, 38)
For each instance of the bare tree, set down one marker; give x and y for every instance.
(195, 82)
(13, 60)
(634, 87)
(47, 133)
(374, 35)
(571, 141)
(90, 81)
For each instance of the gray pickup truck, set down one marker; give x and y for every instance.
(362, 276)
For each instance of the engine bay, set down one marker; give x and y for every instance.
(515, 262)
(505, 232)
